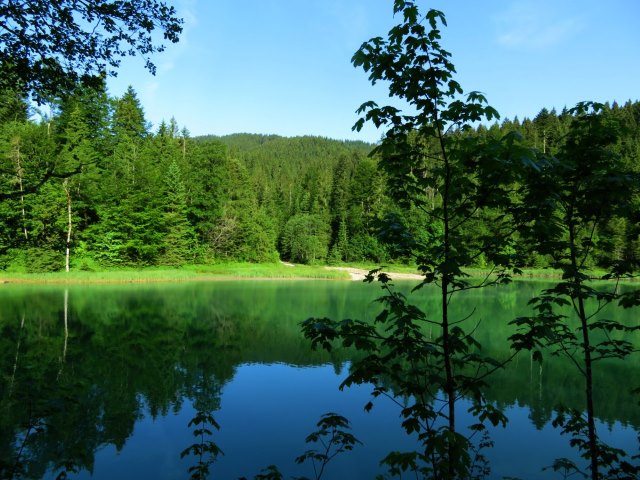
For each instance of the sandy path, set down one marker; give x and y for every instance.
(359, 274)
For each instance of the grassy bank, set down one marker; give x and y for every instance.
(226, 271)
(232, 271)
(472, 272)
(478, 273)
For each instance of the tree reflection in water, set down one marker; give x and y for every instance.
(136, 354)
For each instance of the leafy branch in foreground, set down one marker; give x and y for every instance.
(404, 364)
(46, 47)
(569, 200)
(333, 438)
(332, 435)
(456, 181)
(205, 450)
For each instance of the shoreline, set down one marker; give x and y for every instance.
(236, 272)
(359, 274)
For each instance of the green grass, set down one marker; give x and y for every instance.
(541, 273)
(231, 271)
(476, 272)
(266, 270)
(472, 271)
(223, 271)
(388, 267)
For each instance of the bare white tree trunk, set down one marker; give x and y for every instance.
(19, 172)
(69, 224)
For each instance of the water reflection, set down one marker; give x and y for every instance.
(103, 381)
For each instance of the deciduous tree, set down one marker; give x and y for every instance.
(47, 48)
(569, 198)
(427, 152)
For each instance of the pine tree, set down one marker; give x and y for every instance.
(178, 236)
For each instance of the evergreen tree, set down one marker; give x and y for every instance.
(128, 117)
(27, 162)
(340, 196)
(129, 130)
(13, 107)
(205, 174)
(178, 236)
(129, 200)
(249, 234)
(547, 131)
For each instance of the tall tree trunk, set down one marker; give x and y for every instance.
(67, 191)
(588, 373)
(19, 173)
(450, 386)
(586, 347)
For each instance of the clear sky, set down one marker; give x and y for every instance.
(284, 66)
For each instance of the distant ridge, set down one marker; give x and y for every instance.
(244, 142)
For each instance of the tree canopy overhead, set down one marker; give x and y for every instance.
(47, 46)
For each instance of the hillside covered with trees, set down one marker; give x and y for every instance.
(96, 179)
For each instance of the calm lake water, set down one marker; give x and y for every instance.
(103, 380)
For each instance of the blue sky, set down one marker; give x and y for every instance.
(283, 66)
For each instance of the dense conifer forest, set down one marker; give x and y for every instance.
(95, 178)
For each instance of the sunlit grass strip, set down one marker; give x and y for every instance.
(476, 272)
(267, 270)
(188, 273)
(387, 267)
(234, 270)
(545, 273)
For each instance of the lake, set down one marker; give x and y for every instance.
(102, 381)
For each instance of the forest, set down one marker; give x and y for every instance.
(94, 186)
(90, 185)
